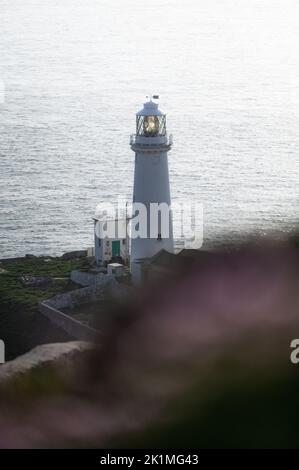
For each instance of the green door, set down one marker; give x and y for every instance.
(116, 248)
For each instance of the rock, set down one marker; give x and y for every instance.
(74, 254)
(33, 281)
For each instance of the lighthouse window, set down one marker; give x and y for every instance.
(124, 241)
(159, 236)
(99, 241)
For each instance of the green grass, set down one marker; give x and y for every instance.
(13, 293)
(56, 267)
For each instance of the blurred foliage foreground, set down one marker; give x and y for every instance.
(201, 360)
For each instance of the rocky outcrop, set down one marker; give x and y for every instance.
(74, 254)
(46, 355)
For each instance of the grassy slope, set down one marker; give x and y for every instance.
(21, 325)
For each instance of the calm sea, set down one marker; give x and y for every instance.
(74, 74)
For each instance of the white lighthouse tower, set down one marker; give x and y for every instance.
(151, 145)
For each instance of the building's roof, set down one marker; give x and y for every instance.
(194, 254)
(164, 259)
(185, 257)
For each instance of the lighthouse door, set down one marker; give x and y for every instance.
(116, 248)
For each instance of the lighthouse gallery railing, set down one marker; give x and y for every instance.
(152, 140)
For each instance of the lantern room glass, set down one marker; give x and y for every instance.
(151, 126)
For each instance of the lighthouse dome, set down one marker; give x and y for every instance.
(150, 108)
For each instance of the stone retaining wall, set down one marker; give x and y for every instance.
(73, 327)
(52, 308)
(88, 279)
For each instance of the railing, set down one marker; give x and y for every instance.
(167, 140)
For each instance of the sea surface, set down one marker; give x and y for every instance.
(73, 74)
